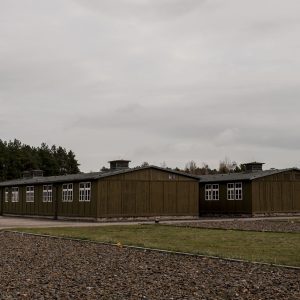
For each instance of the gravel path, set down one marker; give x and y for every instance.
(257, 225)
(44, 268)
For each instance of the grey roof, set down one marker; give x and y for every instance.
(242, 175)
(83, 176)
(118, 160)
(253, 163)
(50, 179)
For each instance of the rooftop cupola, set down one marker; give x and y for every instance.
(119, 164)
(253, 166)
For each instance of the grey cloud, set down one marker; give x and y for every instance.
(153, 9)
(153, 80)
(235, 121)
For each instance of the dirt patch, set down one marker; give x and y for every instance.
(257, 225)
(44, 268)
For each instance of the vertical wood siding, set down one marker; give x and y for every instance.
(135, 198)
(277, 193)
(148, 193)
(38, 207)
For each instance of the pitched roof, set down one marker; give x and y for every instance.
(242, 176)
(84, 176)
(119, 160)
(50, 179)
(253, 163)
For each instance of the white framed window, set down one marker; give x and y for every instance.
(230, 191)
(85, 191)
(235, 191)
(215, 192)
(14, 194)
(238, 191)
(47, 193)
(67, 192)
(172, 176)
(29, 193)
(211, 192)
(6, 194)
(208, 192)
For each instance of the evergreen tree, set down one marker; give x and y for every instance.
(15, 158)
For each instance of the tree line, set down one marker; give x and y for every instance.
(15, 158)
(225, 166)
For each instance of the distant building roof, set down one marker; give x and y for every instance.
(119, 160)
(254, 163)
(242, 175)
(84, 176)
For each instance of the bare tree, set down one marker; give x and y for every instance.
(227, 166)
(191, 167)
(205, 169)
(163, 165)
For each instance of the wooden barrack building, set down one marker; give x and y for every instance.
(253, 191)
(120, 192)
(151, 191)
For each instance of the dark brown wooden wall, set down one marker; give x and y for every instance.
(147, 193)
(277, 193)
(78, 208)
(40, 208)
(151, 192)
(1, 199)
(224, 206)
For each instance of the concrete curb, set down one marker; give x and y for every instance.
(153, 249)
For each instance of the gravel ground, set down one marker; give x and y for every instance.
(44, 268)
(257, 225)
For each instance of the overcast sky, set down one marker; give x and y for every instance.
(153, 80)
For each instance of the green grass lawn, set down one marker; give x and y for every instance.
(270, 247)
